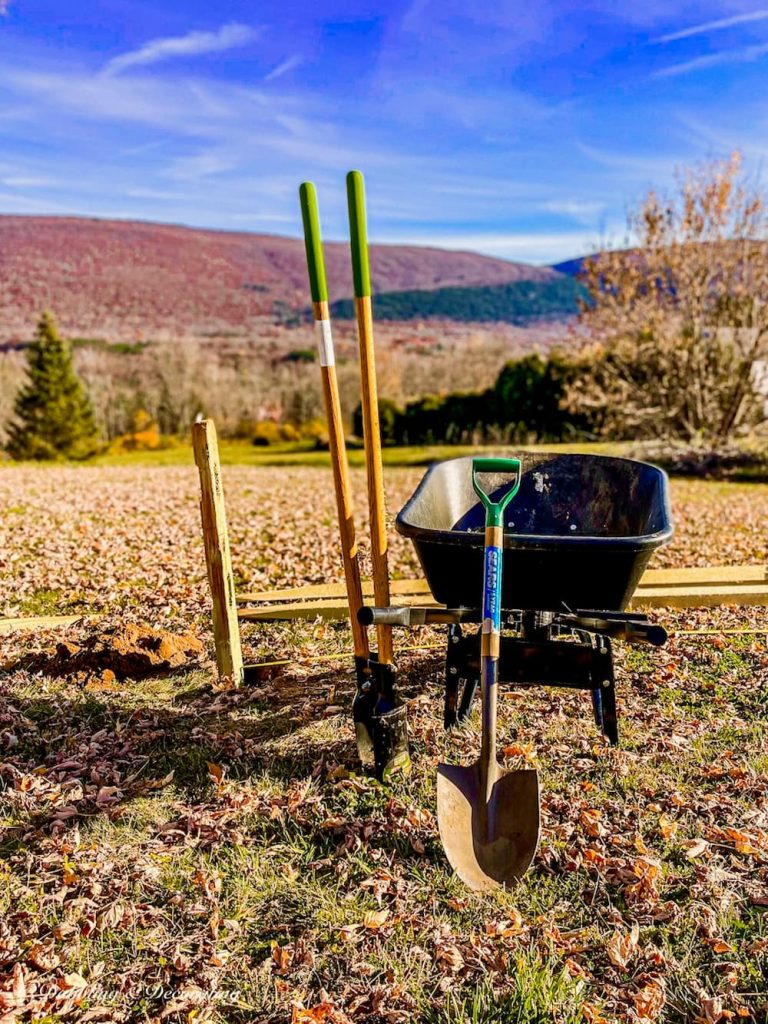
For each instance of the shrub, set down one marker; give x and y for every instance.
(529, 395)
(144, 435)
(390, 415)
(266, 432)
(300, 355)
(316, 431)
(526, 403)
(289, 432)
(679, 324)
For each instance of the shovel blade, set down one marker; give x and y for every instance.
(488, 844)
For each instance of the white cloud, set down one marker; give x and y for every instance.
(152, 102)
(284, 67)
(635, 167)
(242, 123)
(200, 166)
(726, 134)
(12, 202)
(744, 55)
(713, 26)
(584, 210)
(145, 147)
(190, 45)
(27, 181)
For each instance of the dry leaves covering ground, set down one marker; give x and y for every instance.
(173, 851)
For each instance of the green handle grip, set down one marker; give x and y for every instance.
(495, 510)
(358, 234)
(496, 465)
(313, 243)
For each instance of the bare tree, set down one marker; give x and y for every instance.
(679, 323)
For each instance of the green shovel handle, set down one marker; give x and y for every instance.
(313, 242)
(495, 510)
(358, 231)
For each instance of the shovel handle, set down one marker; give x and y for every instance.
(490, 634)
(494, 510)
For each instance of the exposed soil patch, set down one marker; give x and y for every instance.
(132, 651)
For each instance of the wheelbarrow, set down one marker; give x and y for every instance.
(577, 539)
(579, 533)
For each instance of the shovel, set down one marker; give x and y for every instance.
(488, 817)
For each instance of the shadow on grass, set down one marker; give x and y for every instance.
(134, 736)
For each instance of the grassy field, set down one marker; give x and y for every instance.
(171, 850)
(244, 453)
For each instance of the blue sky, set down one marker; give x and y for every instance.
(522, 128)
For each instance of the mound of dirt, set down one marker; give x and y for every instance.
(132, 651)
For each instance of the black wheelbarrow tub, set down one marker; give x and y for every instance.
(578, 535)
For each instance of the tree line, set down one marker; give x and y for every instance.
(519, 302)
(526, 403)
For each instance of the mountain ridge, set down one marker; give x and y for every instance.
(124, 280)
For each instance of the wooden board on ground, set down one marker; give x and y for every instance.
(332, 608)
(321, 591)
(707, 586)
(707, 596)
(28, 623)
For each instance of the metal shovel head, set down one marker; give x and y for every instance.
(488, 844)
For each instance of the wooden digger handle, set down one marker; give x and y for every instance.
(370, 404)
(336, 442)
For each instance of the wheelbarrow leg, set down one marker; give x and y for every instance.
(597, 708)
(461, 676)
(604, 692)
(468, 695)
(610, 720)
(452, 669)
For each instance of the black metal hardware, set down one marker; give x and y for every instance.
(572, 659)
(381, 726)
(538, 648)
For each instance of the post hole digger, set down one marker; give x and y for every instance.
(559, 552)
(380, 722)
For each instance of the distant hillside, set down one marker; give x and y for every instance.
(519, 302)
(124, 280)
(570, 267)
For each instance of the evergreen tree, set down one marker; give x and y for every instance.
(53, 415)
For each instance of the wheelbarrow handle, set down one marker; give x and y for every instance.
(412, 615)
(495, 510)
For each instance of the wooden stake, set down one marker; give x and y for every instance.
(226, 632)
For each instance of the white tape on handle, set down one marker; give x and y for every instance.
(325, 342)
